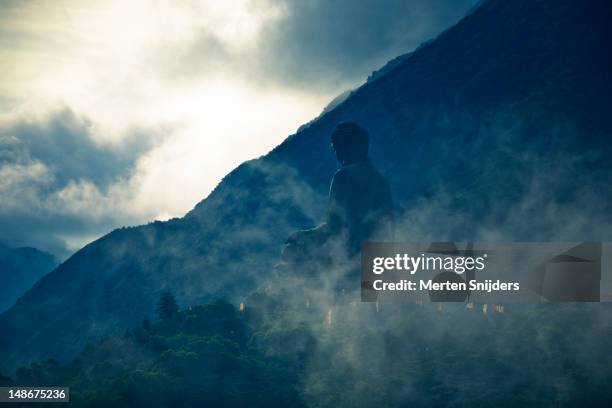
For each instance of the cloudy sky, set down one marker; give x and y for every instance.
(119, 112)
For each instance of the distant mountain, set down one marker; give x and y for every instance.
(498, 129)
(19, 269)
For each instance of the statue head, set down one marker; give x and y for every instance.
(350, 143)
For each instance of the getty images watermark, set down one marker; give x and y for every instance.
(486, 272)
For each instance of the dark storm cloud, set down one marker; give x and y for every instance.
(324, 46)
(56, 180)
(329, 41)
(63, 143)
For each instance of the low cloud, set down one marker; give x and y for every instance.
(58, 182)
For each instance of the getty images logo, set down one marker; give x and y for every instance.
(413, 264)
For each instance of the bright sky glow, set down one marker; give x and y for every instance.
(109, 61)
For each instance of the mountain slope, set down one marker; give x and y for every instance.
(497, 129)
(19, 269)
